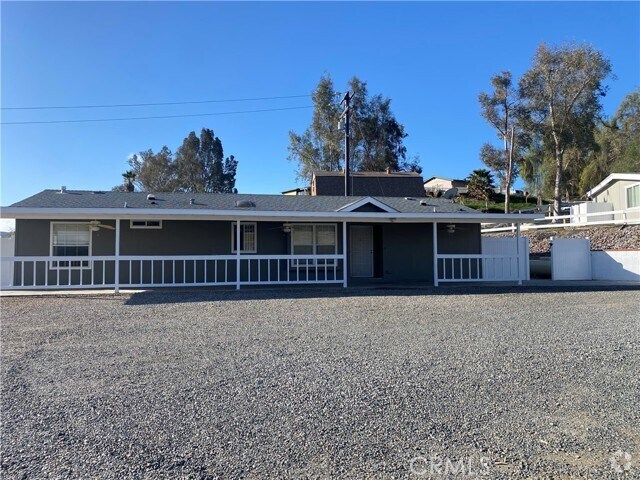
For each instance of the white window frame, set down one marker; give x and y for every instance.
(312, 263)
(146, 225)
(55, 264)
(626, 196)
(233, 243)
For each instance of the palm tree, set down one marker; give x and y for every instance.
(129, 177)
(480, 185)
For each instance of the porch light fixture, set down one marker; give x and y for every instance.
(451, 228)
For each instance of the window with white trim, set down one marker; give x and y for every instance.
(70, 240)
(633, 196)
(145, 224)
(314, 239)
(248, 237)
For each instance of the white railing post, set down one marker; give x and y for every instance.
(435, 254)
(116, 280)
(344, 255)
(237, 254)
(518, 253)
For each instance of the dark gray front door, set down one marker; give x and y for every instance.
(361, 250)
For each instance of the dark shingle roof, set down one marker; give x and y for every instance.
(227, 201)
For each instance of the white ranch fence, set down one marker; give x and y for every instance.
(629, 216)
(32, 272)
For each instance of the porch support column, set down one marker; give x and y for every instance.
(237, 254)
(116, 280)
(518, 252)
(345, 269)
(435, 254)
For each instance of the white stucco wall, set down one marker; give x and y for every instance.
(616, 265)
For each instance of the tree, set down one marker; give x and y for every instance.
(128, 186)
(618, 144)
(480, 185)
(319, 147)
(198, 165)
(503, 110)
(377, 138)
(129, 176)
(155, 172)
(562, 90)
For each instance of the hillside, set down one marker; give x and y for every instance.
(496, 205)
(602, 238)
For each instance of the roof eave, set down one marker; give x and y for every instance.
(611, 178)
(181, 214)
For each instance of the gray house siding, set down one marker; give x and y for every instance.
(176, 237)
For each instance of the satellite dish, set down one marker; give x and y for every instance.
(450, 194)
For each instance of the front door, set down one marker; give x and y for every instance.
(361, 250)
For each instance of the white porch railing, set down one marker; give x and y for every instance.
(47, 272)
(477, 268)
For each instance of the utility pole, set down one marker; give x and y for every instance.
(345, 115)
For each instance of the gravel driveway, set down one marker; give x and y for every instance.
(310, 383)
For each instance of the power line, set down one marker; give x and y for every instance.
(156, 117)
(116, 105)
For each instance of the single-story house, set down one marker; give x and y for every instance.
(84, 239)
(618, 192)
(440, 184)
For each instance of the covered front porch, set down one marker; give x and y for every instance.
(168, 252)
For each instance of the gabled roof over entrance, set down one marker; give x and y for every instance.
(368, 204)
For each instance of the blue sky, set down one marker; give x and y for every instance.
(432, 59)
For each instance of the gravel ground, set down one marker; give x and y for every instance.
(313, 384)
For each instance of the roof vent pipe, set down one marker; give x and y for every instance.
(151, 196)
(63, 189)
(192, 201)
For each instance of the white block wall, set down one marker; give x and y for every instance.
(616, 265)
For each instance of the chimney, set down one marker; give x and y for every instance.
(388, 170)
(63, 189)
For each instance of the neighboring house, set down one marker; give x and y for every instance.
(440, 184)
(298, 191)
(87, 239)
(383, 184)
(619, 191)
